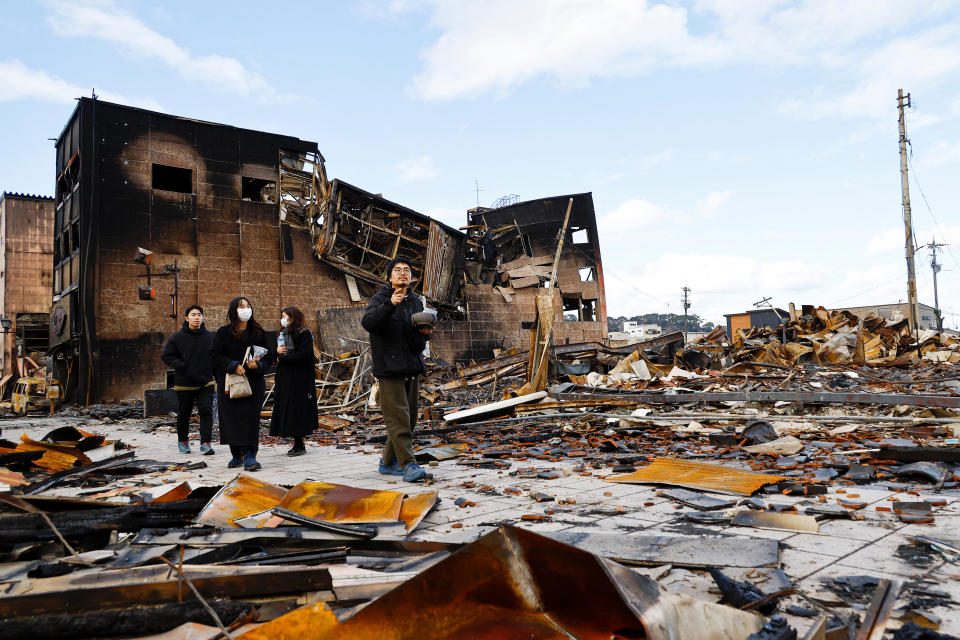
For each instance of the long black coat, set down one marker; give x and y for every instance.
(395, 344)
(295, 390)
(239, 418)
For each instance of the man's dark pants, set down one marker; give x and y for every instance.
(398, 404)
(204, 399)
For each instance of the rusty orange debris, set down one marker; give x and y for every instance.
(343, 504)
(699, 475)
(513, 583)
(241, 497)
(416, 507)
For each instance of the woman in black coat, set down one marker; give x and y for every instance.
(295, 390)
(240, 417)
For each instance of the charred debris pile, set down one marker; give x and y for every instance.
(777, 428)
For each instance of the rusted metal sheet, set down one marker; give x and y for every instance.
(825, 397)
(56, 457)
(516, 584)
(340, 503)
(11, 478)
(699, 475)
(415, 508)
(241, 497)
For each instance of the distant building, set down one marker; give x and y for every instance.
(26, 276)
(754, 318)
(646, 330)
(897, 311)
(634, 332)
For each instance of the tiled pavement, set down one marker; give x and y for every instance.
(841, 548)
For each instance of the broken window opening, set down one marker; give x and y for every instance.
(69, 178)
(587, 311)
(580, 236)
(258, 190)
(74, 242)
(588, 274)
(571, 309)
(170, 178)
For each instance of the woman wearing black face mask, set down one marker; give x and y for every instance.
(294, 390)
(240, 417)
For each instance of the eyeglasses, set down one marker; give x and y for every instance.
(402, 270)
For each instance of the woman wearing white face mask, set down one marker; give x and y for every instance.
(295, 389)
(240, 417)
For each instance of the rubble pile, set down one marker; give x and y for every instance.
(740, 443)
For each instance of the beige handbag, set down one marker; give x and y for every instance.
(236, 385)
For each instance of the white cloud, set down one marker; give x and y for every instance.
(497, 45)
(18, 81)
(713, 202)
(652, 160)
(634, 214)
(941, 153)
(416, 169)
(913, 63)
(870, 45)
(110, 23)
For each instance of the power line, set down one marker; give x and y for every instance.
(896, 279)
(611, 273)
(923, 196)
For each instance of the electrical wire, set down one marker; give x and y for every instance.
(923, 196)
(611, 273)
(896, 279)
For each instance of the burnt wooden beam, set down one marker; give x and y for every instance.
(130, 621)
(32, 527)
(131, 587)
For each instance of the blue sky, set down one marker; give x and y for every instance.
(742, 148)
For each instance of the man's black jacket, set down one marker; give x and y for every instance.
(188, 353)
(397, 346)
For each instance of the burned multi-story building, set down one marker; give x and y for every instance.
(513, 252)
(26, 275)
(229, 211)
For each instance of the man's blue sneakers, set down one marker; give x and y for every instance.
(414, 473)
(392, 469)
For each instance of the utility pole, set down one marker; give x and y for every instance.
(907, 220)
(935, 266)
(686, 305)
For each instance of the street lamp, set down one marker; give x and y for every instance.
(6, 323)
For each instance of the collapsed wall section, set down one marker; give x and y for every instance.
(510, 259)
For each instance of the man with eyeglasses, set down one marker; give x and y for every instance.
(398, 335)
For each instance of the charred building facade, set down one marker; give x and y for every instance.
(201, 194)
(230, 211)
